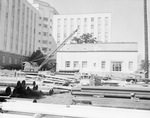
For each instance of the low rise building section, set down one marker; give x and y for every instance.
(105, 58)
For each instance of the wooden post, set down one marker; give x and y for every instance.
(146, 40)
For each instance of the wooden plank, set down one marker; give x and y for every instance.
(131, 89)
(116, 92)
(115, 95)
(75, 110)
(121, 103)
(5, 115)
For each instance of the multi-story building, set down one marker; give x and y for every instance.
(19, 22)
(46, 42)
(99, 25)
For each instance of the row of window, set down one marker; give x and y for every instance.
(85, 20)
(45, 34)
(10, 60)
(115, 66)
(25, 11)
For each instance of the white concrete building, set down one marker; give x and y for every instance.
(99, 25)
(19, 22)
(46, 42)
(110, 57)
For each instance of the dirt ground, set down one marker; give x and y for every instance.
(63, 98)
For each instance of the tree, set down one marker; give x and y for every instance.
(142, 66)
(77, 40)
(85, 38)
(37, 57)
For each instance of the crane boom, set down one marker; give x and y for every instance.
(57, 49)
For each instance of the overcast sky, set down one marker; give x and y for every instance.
(127, 16)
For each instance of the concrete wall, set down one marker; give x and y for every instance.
(97, 58)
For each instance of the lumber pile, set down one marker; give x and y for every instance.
(39, 110)
(112, 96)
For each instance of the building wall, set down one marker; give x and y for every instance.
(18, 27)
(46, 42)
(99, 25)
(96, 58)
(9, 58)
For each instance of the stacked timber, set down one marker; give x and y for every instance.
(142, 93)
(113, 96)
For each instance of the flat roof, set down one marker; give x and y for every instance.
(101, 47)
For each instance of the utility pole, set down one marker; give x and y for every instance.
(146, 40)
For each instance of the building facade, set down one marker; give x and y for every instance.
(110, 57)
(19, 22)
(46, 42)
(98, 25)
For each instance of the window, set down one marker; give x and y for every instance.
(67, 64)
(92, 34)
(76, 64)
(94, 64)
(65, 35)
(106, 20)
(99, 36)
(84, 64)
(58, 29)
(44, 49)
(92, 26)
(58, 42)
(3, 59)
(45, 19)
(15, 61)
(130, 65)
(85, 20)
(99, 20)
(78, 21)
(9, 60)
(44, 41)
(106, 38)
(58, 22)
(45, 25)
(92, 19)
(116, 66)
(99, 28)
(72, 22)
(85, 28)
(103, 64)
(65, 22)
(45, 33)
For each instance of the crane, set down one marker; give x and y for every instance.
(48, 56)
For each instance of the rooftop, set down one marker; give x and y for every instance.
(101, 47)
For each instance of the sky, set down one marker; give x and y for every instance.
(127, 16)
